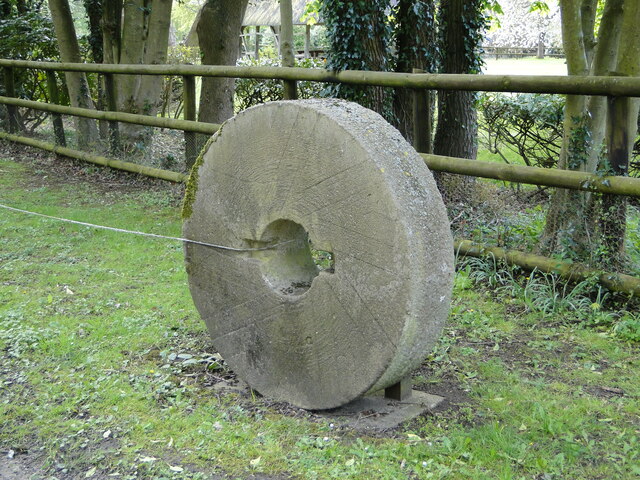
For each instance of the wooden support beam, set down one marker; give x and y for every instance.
(54, 97)
(400, 391)
(307, 41)
(112, 105)
(10, 88)
(422, 121)
(550, 177)
(189, 100)
(616, 282)
(613, 219)
(256, 52)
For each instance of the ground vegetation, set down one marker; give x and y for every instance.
(106, 368)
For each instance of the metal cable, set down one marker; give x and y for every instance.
(145, 234)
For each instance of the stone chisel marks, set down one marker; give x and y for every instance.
(342, 179)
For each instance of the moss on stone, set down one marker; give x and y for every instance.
(194, 177)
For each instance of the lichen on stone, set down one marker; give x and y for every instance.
(194, 177)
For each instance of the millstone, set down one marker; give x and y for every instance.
(336, 175)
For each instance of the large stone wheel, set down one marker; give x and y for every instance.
(340, 176)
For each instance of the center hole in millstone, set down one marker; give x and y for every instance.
(291, 267)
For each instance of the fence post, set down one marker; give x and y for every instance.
(112, 105)
(56, 118)
(422, 121)
(189, 100)
(12, 111)
(256, 52)
(286, 47)
(307, 41)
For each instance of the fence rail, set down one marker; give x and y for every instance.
(509, 173)
(498, 52)
(97, 159)
(613, 87)
(574, 85)
(146, 120)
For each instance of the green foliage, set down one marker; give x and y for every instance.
(539, 6)
(172, 89)
(584, 303)
(579, 143)
(323, 260)
(17, 336)
(93, 9)
(474, 22)
(353, 28)
(312, 12)
(250, 91)
(183, 55)
(530, 125)
(633, 238)
(349, 26)
(628, 328)
(28, 35)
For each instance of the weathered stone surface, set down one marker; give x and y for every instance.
(339, 173)
(373, 413)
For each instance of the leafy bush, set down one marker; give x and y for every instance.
(628, 328)
(531, 126)
(251, 91)
(528, 124)
(28, 36)
(173, 87)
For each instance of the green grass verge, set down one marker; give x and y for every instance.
(106, 368)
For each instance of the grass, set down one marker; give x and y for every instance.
(106, 368)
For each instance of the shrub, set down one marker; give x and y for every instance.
(528, 124)
(628, 328)
(251, 91)
(29, 36)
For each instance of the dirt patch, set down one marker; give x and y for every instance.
(49, 170)
(20, 466)
(606, 392)
(455, 397)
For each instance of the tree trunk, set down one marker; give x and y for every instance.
(359, 35)
(144, 30)
(93, 9)
(77, 85)
(218, 30)
(286, 47)
(376, 98)
(134, 35)
(416, 48)
(578, 224)
(456, 133)
(621, 133)
(155, 53)
(111, 30)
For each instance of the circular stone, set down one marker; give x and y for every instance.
(339, 176)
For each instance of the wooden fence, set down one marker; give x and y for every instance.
(612, 87)
(520, 52)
